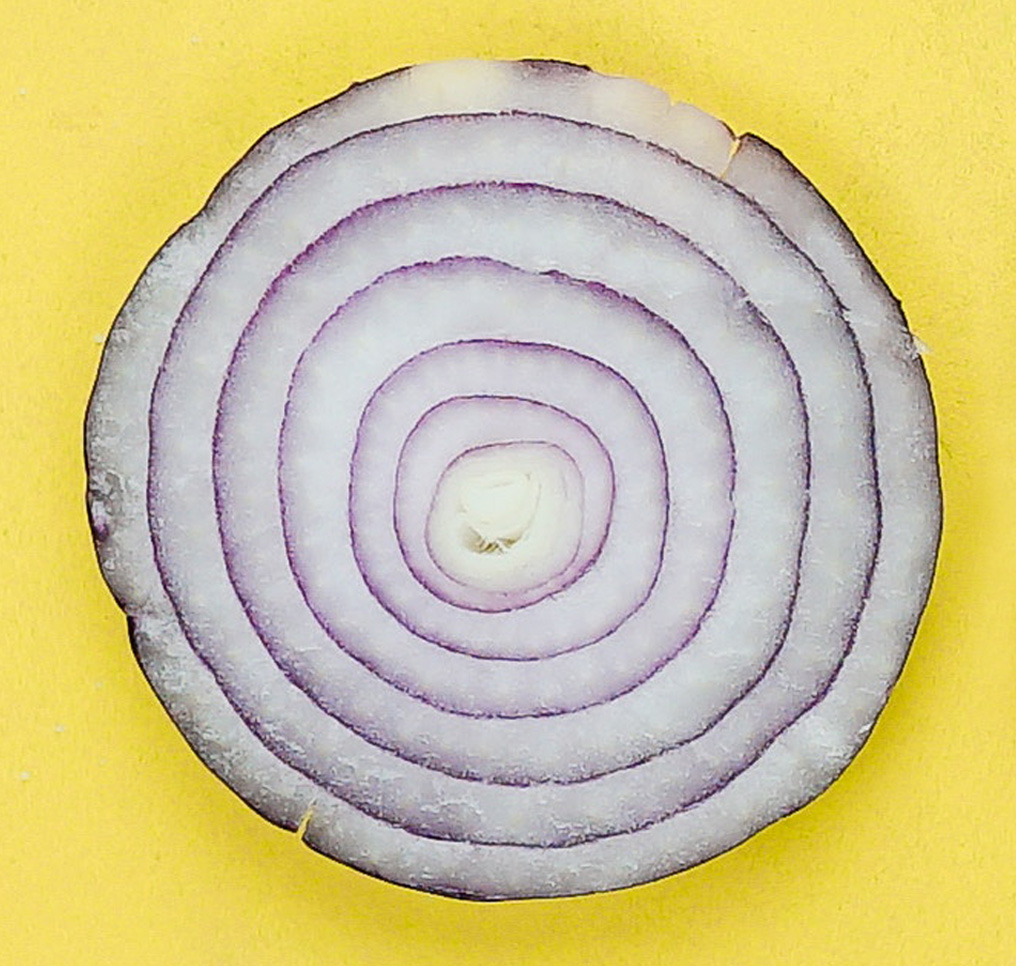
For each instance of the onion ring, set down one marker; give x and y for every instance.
(515, 482)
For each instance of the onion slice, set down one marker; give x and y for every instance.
(516, 482)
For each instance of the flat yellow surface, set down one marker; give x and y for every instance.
(117, 846)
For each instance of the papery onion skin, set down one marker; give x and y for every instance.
(621, 306)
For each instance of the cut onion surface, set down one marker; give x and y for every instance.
(516, 482)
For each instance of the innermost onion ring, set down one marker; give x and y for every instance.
(506, 518)
(463, 424)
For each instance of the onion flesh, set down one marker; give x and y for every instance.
(516, 482)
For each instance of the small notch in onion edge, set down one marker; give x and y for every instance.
(301, 828)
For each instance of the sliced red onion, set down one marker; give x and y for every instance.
(515, 482)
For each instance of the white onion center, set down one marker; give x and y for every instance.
(506, 518)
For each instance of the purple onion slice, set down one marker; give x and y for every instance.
(515, 482)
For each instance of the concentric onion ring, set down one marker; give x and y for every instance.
(516, 482)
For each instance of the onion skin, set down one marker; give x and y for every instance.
(515, 482)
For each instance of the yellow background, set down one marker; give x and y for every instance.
(117, 846)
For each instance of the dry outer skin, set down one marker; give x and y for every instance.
(514, 482)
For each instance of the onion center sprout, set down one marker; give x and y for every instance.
(506, 517)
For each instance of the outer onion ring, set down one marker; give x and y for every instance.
(647, 284)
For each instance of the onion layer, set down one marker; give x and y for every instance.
(516, 481)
